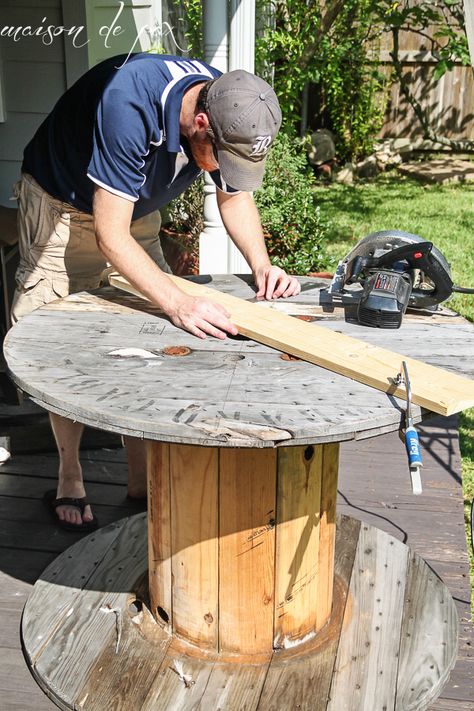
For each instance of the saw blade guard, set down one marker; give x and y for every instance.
(428, 268)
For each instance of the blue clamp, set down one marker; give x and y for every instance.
(412, 442)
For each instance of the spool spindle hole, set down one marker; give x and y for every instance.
(163, 614)
(309, 453)
(176, 350)
(288, 356)
(135, 606)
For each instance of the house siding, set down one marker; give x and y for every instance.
(33, 75)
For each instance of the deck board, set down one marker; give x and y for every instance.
(369, 490)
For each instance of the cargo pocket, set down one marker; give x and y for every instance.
(32, 291)
(33, 225)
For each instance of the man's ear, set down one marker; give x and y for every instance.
(201, 121)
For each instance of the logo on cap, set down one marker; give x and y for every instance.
(261, 145)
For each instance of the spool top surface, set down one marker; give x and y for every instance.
(115, 362)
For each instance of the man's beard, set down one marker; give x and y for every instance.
(201, 153)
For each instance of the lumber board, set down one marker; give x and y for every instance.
(433, 388)
(120, 681)
(234, 687)
(169, 690)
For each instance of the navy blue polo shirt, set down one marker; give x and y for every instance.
(118, 127)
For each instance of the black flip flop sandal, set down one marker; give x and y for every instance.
(52, 503)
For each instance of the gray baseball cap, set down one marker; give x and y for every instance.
(245, 117)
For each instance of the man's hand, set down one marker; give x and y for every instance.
(241, 219)
(273, 283)
(112, 216)
(201, 317)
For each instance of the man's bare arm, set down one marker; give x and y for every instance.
(242, 221)
(112, 218)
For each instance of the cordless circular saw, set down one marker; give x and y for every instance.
(391, 271)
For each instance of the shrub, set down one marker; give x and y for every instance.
(292, 224)
(184, 214)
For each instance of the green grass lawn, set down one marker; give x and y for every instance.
(441, 214)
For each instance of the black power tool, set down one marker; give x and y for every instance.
(394, 270)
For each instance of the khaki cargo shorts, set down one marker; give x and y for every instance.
(58, 250)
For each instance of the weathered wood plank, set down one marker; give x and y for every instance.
(233, 687)
(89, 624)
(365, 672)
(10, 628)
(445, 543)
(297, 542)
(247, 509)
(251, 387)
(451, 705)
(32, 488)
(159, 532)
(309, 682)
(179, 684)
(24, 563)
(429, 614)
(39, 623)
(34, 514)
(118, 679)
(99, 466)
(367, 472)
(327, 532)
(18, 690)
(13, 592)
(372, 365)
(194, 543)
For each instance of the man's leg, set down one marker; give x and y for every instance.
(70, 484)
(48, 232)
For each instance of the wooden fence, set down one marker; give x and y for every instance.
(449, 102)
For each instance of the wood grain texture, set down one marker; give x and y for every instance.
(92, 668)
(297, 542)
(69, 578)
(194, 543)
(247, 509)
(432, 523)
(289, 684)
(252, 393)
(436, 390)
(159, 532)
(90, 623)
(120, 681)
(327, 531)
(170, 691)
(234, 687)
(365, 672)
(429, 613)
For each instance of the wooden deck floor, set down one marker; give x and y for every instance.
(369, 489)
